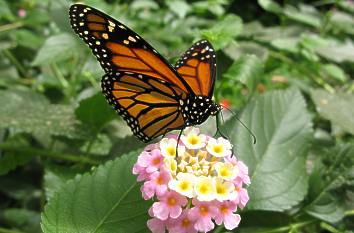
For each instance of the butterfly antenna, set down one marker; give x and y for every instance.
(234, 114)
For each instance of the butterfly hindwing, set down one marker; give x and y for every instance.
(118, 48)
(197, 66)
(150, 106)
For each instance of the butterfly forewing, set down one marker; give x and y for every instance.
(150, 106)
(118, 48)
(197, 66)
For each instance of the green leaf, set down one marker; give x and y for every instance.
(306, 14)
(108, 200)
(125, 145)
(337, 51)
(277, 161)
(95, 112)
(332, 175)
(56, 48)
(11, 160)
(27, 38)
(224, 32)
(338, 108)
(55, 177)
(286, 44)
(334, 71)
(100, 146)
(264, 223)
(26, 111)
(179, 7)
(23, 219)
(270, 6)
(247, 70)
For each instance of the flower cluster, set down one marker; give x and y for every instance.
(197, 183)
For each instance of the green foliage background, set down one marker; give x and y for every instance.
(286, 67)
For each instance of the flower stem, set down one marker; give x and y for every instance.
(10, 26)
(49, 153)
(4, 230)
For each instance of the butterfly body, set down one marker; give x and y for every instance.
(197, 109)
(152, 96)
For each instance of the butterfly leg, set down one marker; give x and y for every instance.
(218, 131)
(178, 139)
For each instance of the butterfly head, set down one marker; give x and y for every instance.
(196, 109)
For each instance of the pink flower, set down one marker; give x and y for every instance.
(156, 225)
(202, 213)
(242, 197)
(141, 172)
(243, 172)
(225, 214)
(170, 204)
(151, 161)
(157, 184)
(21, 13)
(183, 224)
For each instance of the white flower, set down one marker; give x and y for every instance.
(224, 190)
(204, 188)
(219, 148)
(168, 148)
(192, 139)
(226, 170)
(183, 184)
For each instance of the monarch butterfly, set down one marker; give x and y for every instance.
(152, 96)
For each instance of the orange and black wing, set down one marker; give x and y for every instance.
(118, 48)
(150, 106)
(197, 66)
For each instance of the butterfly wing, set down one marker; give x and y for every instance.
(118, 48)
(150, 106)
(197, 66)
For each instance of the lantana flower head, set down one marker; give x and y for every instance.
(196, 182)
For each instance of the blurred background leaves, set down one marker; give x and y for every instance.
(285, 67)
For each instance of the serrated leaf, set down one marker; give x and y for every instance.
(56, 48)
(224, 32)
(337, 108)
(108, 200)
(277, 161)
(25, 111)
(247, 70)
(95, 112)
(11, 160)
(55, 177)
(328, 182)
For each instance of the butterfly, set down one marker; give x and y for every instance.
(152, 96)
